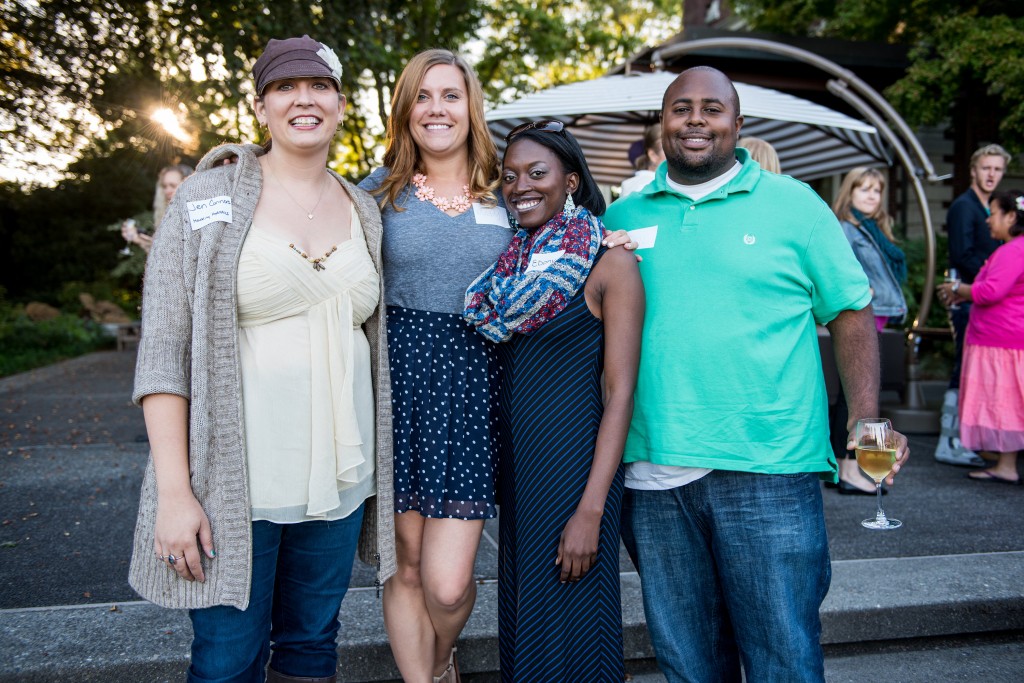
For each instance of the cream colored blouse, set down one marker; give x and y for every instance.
(306, 390)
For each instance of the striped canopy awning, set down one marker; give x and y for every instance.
(608, 114)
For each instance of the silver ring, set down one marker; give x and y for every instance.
(171, 559)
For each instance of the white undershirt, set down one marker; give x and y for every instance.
(701, 190)
(649, 476)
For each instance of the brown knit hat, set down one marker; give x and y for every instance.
(295, 58)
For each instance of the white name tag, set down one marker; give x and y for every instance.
(201, 214)
(543, 261)
(644, 237)
(494, 215)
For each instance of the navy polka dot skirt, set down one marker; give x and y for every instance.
(444, 387)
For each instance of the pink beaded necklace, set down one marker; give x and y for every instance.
(425, 193)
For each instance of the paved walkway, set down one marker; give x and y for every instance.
(73, 452)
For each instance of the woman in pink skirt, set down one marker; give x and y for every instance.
(992, 385)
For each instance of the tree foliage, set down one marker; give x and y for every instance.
(986, 50)
(76, 69)
(81, 79)
(533, 45)
(51, 78)
(959, 48)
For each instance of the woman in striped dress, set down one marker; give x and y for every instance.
(569, 315)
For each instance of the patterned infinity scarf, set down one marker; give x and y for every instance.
(511, 296)
(893, 255)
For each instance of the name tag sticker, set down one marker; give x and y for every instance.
(644, 237)
(543, 261)
(202, 213)
(494, 215)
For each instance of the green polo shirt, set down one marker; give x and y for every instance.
(730, 373)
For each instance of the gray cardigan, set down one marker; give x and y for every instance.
(189, 348)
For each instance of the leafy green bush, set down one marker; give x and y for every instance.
(25, 344)
(936, 354)
(129, 298)
(916, 271)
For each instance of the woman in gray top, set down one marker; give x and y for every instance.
(443, 226)
(263, 377)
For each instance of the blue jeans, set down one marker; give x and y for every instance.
(300, 573)
(733, 569)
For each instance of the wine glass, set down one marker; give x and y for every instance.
(876, 454)
(951, 275)
(128, 231)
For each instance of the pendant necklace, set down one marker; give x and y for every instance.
(318, 263)
(309, 214)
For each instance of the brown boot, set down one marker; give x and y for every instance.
(278, 677)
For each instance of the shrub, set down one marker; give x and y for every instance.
(935, 354)
(25, 344)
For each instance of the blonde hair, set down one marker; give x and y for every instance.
(843, 206)
(402, 156)
(762, 152)
(990, 151)
(159, 200)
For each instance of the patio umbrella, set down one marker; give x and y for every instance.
(608, 114)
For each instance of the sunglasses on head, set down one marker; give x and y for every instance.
(547, 126)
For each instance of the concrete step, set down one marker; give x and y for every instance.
(870, 600)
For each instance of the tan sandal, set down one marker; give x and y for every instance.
(451, 672)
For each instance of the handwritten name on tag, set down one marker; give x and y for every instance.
(494, 215)
(543, 261)
(202, 213)
(644, 237)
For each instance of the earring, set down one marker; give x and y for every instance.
(512, 222)
(570, 205)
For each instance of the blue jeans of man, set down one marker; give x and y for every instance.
(733, 568)
(300, 573)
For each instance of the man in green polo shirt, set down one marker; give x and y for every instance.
(729, 437)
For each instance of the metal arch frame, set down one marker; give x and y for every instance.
(868, 102)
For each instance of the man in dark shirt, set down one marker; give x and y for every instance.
(970, 244)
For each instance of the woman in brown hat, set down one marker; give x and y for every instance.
(263, 376)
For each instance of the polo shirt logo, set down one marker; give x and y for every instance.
(749, 239)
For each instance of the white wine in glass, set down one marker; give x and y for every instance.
(951, 275)
(128, 228)
(876, 454)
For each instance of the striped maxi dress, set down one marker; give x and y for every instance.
(551, 407)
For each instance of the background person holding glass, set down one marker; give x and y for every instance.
(970, 243)
(263, 376)
(167, 183)
(729, 439)
(992, 380)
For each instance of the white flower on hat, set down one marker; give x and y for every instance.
(331, 60)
